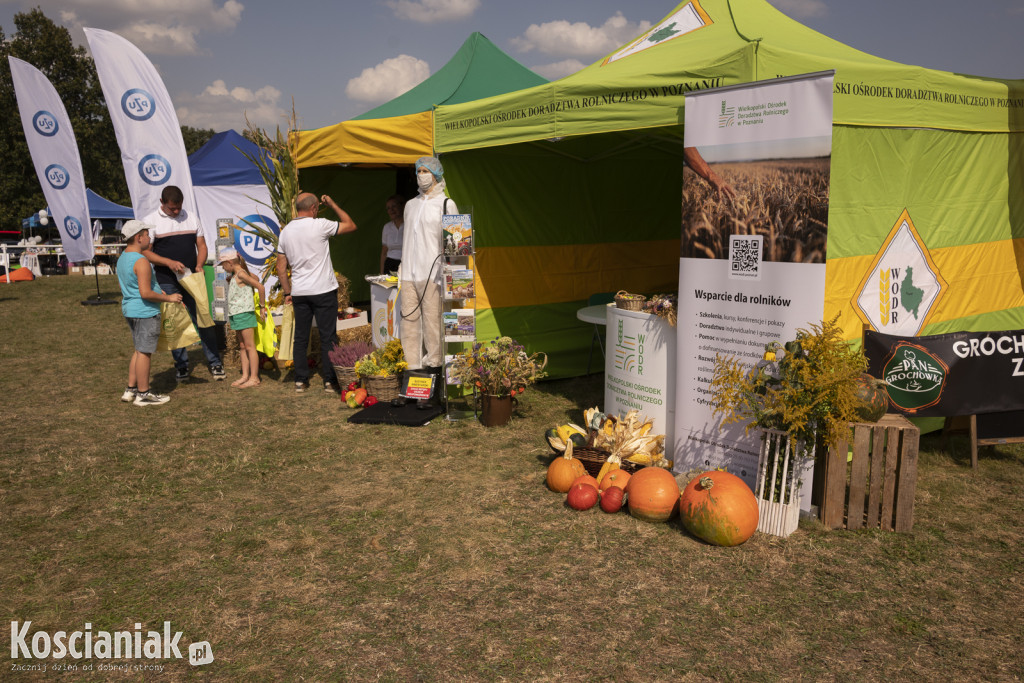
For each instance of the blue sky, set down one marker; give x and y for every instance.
(221, 59)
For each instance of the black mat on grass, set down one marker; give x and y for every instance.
(385, 413)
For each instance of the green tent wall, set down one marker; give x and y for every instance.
(576, 184)
(362, 162)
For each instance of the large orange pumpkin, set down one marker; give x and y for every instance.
(562, 471)
(719, 508)
(653, 494)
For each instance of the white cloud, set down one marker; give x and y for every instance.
(579, 39)
(801, 8)
(165, 27)
(390, 78)
(429, 11)
(158, 39)
(558, 70)
(220, 107)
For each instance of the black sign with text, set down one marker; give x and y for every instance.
(963, 373)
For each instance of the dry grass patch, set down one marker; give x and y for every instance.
(302, 546)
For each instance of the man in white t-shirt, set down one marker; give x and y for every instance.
(311, 287)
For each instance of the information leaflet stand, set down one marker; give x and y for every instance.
(458, 310)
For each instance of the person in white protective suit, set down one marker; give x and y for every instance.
(422, 269)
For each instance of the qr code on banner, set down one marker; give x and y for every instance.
(745, 257)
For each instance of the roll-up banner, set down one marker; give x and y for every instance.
(944, 375)
(145, 123)
(754, 231)
(51, 142)
(247, 207)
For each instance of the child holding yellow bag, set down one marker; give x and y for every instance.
(242, 313)
(140, 304)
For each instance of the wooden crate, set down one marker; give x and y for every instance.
(875, 488)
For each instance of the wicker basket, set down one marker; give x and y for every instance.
(384, 388)
(629, 302)
(594, 458)
(345, 375)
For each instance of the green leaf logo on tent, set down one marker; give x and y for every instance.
(685, 19)
(662, 33)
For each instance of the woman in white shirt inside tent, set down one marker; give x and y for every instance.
(392, 234)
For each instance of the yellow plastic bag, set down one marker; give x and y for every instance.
(176, 329)
(265, 335)
(284, 349)
(195, 284)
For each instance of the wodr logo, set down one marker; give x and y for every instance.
(902, 286)
(915, 377)
(727, 116)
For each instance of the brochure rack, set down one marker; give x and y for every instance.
(458, 310)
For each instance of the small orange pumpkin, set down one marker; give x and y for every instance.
(586, 479)
(562, 471)
(653, 494)
(719, 508)
(618, 478)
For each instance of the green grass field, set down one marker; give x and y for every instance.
(305, 548)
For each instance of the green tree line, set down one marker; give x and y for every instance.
(48, 47)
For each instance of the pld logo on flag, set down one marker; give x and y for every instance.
(154, 169)
(45, 124)
(73, 227)
(57, 176)
(137, 104)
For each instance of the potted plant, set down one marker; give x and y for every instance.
(344, 356)
(803, 395)
(498, 371)
(380, 370)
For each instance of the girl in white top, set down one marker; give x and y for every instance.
(391, 235)
(242, 313)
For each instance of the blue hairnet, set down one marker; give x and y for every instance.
(432, 164)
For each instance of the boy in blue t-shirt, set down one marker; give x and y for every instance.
(141, 308)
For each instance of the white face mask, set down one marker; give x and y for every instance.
(425, 181)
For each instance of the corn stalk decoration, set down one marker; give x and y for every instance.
(276, 165)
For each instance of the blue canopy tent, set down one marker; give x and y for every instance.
(100, 208)
(228, 187)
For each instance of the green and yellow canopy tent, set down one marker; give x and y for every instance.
(363, 161)
(576, 184)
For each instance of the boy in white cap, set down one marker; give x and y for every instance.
(140, 304)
